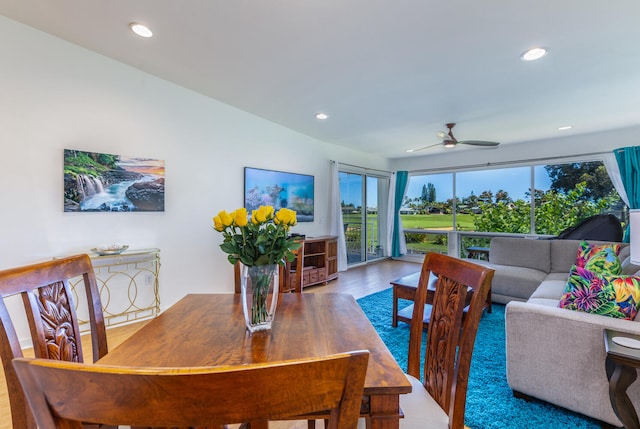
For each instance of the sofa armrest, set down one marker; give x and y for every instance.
(558, 356)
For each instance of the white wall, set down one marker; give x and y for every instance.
(55, 95)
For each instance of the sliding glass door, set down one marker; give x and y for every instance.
(364, 200)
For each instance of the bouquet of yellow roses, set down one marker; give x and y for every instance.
(260, 243)
(261, 240)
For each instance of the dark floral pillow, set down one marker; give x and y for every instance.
(586, 250)
(607, 295)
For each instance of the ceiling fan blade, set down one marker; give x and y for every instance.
(428, 147)
(442, 135)
(479, 143)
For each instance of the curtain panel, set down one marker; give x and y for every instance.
(337, 224)
(628, 159)
(399, 245)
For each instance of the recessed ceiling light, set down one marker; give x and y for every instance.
(410, 150)
(321, 116)
(140, 29)
(565, 128)
(534, 54)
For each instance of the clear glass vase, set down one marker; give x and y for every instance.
(259, 295)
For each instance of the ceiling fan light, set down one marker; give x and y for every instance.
(449, 144)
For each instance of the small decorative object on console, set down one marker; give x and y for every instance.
(110, 249)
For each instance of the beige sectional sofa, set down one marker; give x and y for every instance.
(553, 354)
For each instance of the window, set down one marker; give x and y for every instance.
(428, 205)
(500, 201)
(569, 193)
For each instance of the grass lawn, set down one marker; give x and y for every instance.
(422, 221)
(438, 221)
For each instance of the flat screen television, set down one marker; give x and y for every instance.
(279, 189)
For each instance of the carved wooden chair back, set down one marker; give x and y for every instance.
(193, 397)
(51, 315)
(450, 338)
(289, 282)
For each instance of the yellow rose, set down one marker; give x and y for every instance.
(269, 210)
(217, 224)
(225, 218)
(240, 217)
(261, 214)
(285, 217)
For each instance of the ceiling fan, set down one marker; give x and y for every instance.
(449, 141)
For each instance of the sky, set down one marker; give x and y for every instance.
(515, 180)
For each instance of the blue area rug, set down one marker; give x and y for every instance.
(490, 402)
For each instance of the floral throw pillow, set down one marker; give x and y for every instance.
(606, 295)
(604, 261)
(586, 250)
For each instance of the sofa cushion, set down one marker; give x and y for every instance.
(614, 296)
(563, 255)
(547, 302)
(625, 251)
(628, 268)
(559, 276)
(521, 252)
(550, 289)
(517, 282)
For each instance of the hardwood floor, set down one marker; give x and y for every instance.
(359, 282)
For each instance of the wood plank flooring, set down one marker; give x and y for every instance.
(359, 282)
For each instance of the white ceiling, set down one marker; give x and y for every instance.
(389, 73)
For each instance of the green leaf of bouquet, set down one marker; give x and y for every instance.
(228, 247)
(294, 244)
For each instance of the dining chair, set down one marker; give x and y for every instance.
(51, 316)
(193, 397)
(290, 274)
(438, 399)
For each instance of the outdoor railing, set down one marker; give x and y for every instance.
(353, 238)
(457, 243)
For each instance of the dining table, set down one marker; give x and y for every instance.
(209, 330)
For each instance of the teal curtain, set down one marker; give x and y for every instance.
(628, 159)
(401, 184)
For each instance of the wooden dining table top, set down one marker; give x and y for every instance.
(209, 330)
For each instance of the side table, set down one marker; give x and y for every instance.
(478, 252)
(621, 364)
(405, 288)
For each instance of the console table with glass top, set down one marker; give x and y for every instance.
(128, 284)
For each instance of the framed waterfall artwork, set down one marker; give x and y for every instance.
(279, 189)
(101, 182)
